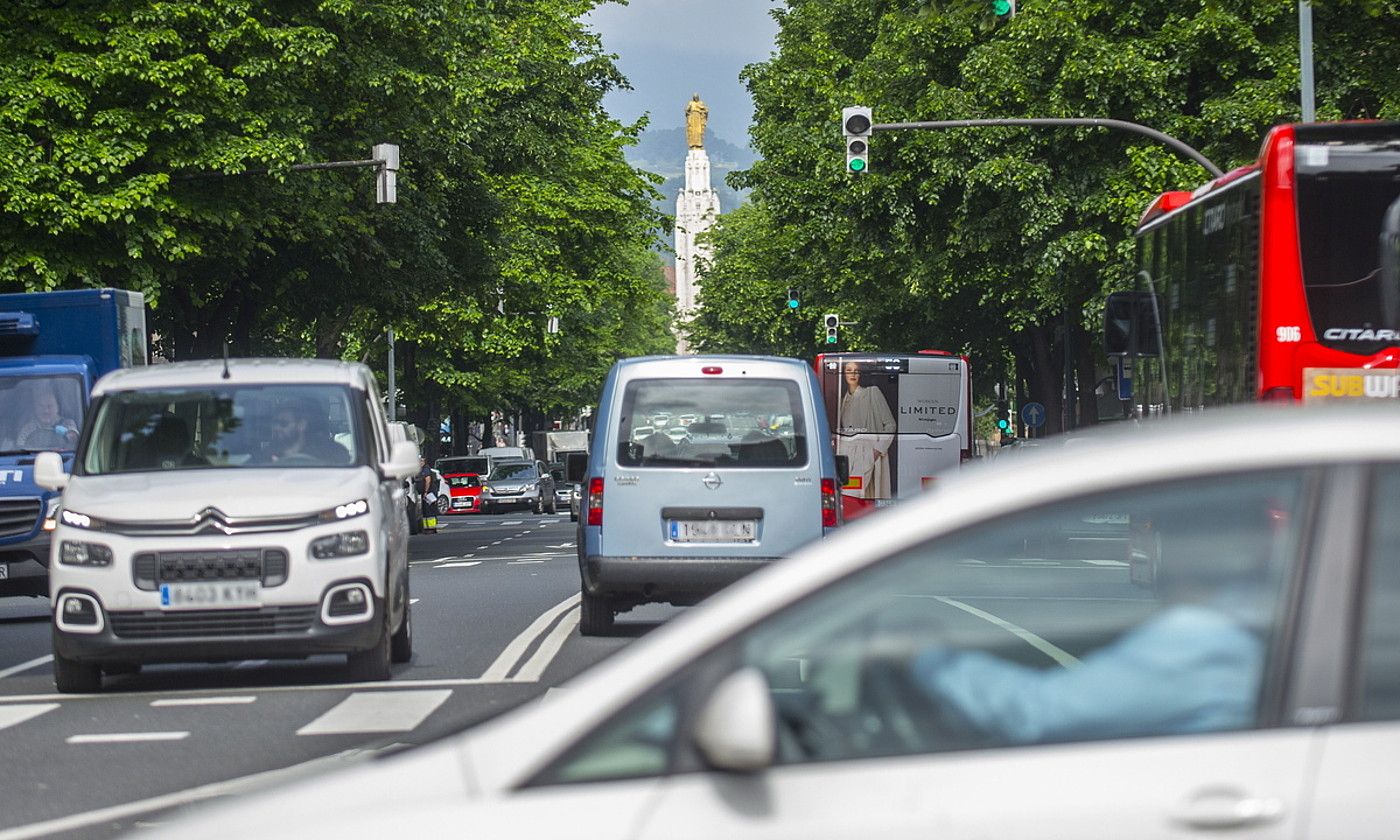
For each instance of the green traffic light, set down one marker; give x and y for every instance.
(831, 339)
(793, 303)
(1003, 424)
(1002, 8)
(857, 165)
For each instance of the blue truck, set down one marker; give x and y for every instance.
(53, 347)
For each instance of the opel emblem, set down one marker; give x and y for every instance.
(712, 481)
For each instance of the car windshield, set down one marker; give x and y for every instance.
(225, 426)
(463, 481)
(40, 413)
(712, 422)
(514, 472)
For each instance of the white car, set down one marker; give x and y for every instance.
(231, 510)
(931, 672)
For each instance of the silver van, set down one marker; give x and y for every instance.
(703, 468)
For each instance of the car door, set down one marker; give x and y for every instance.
(1355, 794)
(982, 686)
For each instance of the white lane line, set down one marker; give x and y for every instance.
(377, 711)
(549, 648)
(169, 800)
(127, 737)
(1106, 562)
(11, 715)
(5, 701)
(1060, 655)
(513, 522)
(235, 700)
(523, 562)
(517, 647)
(413, 600)
(25, 666)
(461, 564)
(480, 547)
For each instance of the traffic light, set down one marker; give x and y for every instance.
(1003, 416)
(1004, 9)
(792, 302)
(833, 321)
(856, 124)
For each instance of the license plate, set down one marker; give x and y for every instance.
(4, 571)
(461, 503)
(713, 530)
(203, 596)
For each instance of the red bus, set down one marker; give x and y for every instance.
(1276, 281)
(900, 420)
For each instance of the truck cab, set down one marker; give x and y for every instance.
(53, 348)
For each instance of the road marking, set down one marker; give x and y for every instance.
(563, 545)
(460, 564)
(1061, 656)
(523, 562)
(480, 547)
(11, 715)
(25, 666)
(251, 663)
(169, 800)
(513, 652)
(549, 648)
(513, 522)
(377, 711)
(127, 737)
(413, 600)
(236, 700)
(1106, 562)
(5, 701)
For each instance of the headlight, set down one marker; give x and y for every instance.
(84, 554)
(51, 514)
(78, 520)
(349, 510)
(347, 544)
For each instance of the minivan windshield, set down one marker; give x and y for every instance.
(514, 472)
(224, 426)
(712, 422)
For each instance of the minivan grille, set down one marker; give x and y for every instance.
(268, 565)
(18, 516)
(267, 621)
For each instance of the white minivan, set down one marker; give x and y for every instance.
(703, 469)
(228, 510)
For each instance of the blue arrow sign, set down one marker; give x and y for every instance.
(1033, 415)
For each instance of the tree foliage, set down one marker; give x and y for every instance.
(981, 240)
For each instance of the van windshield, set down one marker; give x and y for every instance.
(712, 422)
(281, 426)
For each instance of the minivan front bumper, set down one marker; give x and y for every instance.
(676, 580)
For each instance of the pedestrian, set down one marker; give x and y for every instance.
(427, 484)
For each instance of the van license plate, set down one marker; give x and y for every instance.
(204, 596)
(713, 530)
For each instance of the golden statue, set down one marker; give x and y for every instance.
(695, 116)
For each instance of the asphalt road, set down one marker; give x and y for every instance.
(495, 621)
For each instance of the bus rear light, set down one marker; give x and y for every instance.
(595, 501)
(1280, 394)
(831, 504)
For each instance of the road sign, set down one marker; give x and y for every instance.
(1033, 415)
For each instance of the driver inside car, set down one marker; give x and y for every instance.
(298, 438)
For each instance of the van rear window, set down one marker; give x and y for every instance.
(712, 422)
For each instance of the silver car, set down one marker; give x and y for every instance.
(991, 660)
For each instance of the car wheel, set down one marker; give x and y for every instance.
(595, 615)
(443, 503)
(72, 677)
(372, 665)
(401, 645)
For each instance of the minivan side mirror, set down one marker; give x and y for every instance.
(48, 471)
(403, 460)
(843, 469)
(737, 728)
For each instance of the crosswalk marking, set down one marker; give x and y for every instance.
(377, 711)
(11, 715)
(235, 700)
(25, 666)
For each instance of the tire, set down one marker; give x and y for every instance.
(372, 665)
(72, 677)
(595, 616)
(401, 645)
(443, 503)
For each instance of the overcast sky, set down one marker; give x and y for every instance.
(670, 49)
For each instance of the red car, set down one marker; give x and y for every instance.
(464, 492)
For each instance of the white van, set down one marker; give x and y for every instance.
(248, 509)
(703, 469)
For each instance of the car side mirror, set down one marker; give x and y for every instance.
(737, 727)
(843, 470)
(403, 460)
(48, 471)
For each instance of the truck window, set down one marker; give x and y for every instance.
(39, 413)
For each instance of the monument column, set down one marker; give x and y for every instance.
(697, 206)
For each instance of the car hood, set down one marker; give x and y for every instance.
(237, 492)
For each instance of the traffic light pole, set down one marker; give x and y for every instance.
(1091, 122)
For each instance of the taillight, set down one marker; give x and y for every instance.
(831, 504)
(1280, 394)
(595, 501)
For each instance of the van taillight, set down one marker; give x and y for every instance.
(595, 501)
(831, 504)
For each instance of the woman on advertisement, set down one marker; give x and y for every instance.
(865, 430)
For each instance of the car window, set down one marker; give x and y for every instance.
(1030, 629)
(1380, 637)
(722, 430)
(514, 472)
(639, 743)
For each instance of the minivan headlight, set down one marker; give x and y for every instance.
(73, 519)
(347, 544)
(73, 553)
(349, 510)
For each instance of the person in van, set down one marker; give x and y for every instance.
(298, 436)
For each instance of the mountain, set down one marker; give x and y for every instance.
(663, 151)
